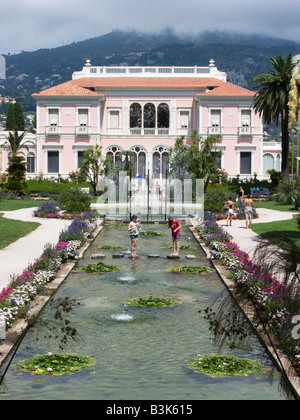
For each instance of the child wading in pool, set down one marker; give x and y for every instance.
(175, 226)
(134, 235)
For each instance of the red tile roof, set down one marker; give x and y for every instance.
(85, 86)
(70, 88)
(148, 82)
(228, 89)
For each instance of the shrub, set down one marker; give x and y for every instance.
(214, 200)
(16, 186)
(74, 200)
(288, 192)
(275, 176)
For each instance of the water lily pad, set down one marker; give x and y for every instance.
(55, 364)
(100, 267)
(216, 365)
(152, 302)
(191, 269)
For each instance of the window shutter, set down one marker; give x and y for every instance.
(53, 116)
(83, 117)
(114, 119)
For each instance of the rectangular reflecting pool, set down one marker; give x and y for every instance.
(141, 353)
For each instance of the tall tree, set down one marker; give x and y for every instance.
(271, 101)
(16, 172)
(10, 117)
(15, 117)
(19, 117)
(91, 166)
(198, 160)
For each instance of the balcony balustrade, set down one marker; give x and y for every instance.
(52, 130)
(82, 130)
(214, 130)
(149, 131)
(245, 131)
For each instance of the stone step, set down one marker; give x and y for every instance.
(98, 256)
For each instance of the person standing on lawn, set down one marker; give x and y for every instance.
(174, 225)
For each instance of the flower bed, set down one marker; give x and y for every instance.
(51, 211)
(273, 301)
(59, 216)
(15, 299)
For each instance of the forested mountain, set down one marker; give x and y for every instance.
(241, 56)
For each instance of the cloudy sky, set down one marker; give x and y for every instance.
(32, 24)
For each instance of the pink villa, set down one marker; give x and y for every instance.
(144, 110)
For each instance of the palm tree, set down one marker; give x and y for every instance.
(272, 98)
(14, 141)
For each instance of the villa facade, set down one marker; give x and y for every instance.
(144, 110)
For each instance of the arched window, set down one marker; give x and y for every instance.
(163, 116)
(115, 153)
(135, 116)
(160, 162)
(278, 163)
(149, 116)
(268, 162)
(138, 160)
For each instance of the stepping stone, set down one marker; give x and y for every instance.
(98, 256)
(171, 257)
(153, 256)
(190, 257)
(118, 256)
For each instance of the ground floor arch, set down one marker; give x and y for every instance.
(144, 162)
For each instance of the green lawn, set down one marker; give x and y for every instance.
(273, 206)
(12, 230)
(8, 205)
(288, 227)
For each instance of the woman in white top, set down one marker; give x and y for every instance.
(134, 234)
(229, 205)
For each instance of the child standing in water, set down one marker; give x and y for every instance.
(175, 226)
(134, 234)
